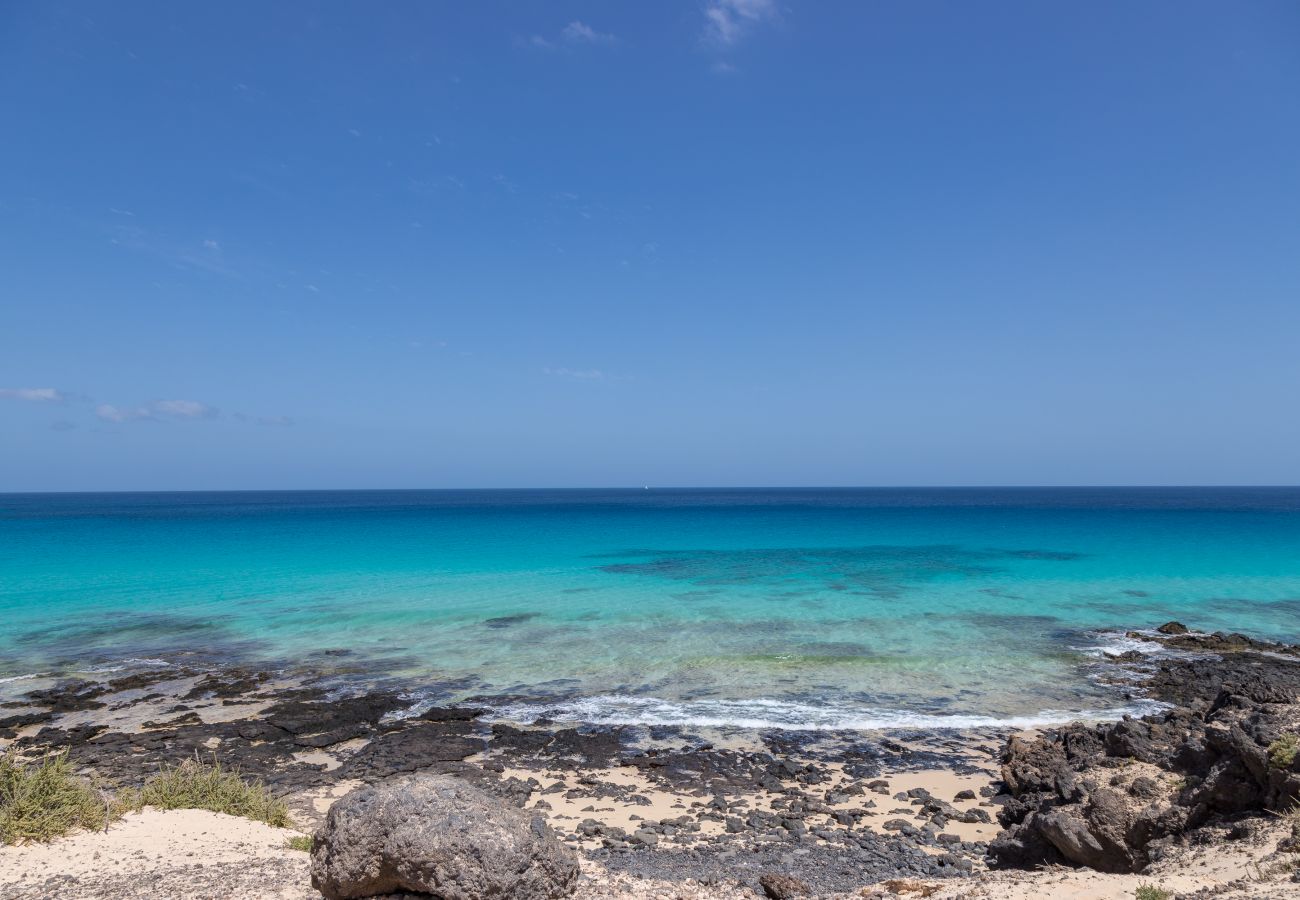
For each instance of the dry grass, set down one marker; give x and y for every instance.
(45, 799)
(195, 784)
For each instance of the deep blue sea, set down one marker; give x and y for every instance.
(799, 607)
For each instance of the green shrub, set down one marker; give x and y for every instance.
(1282, 752)
(300, 842)
(42, 800)
(195, 784)
(1151, 892)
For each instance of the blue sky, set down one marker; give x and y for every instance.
(714, 242)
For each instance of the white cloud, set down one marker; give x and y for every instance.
(156, 411)
(35, 395)
(572, 34)
(581, 33)
(110, 413)
(578, 374)
(186, 409)
(726, 21)
(210, 244)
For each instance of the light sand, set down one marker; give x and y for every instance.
(1236, 869)
(566, 812)
(181, 853)
(197, 855)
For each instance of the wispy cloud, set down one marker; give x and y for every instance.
(727, 21)
(36, 395)
(267, 421)
(581, 33)
(204, 255)
(574, 34)
(576, 374)
(156, 411)
(174, 410)
(110, 413)
(185, 409)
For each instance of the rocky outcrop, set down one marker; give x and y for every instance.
(1112, 796)
(783, 887)
(438, 836)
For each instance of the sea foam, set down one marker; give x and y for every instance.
(618, 709)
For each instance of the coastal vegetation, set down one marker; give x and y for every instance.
(44, 799)
(195, 784)
(299, 842)
(1151, 892)
(1282, 752)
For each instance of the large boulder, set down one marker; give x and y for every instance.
(439, 836)
(1094, 834)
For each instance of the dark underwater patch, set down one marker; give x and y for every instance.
(115, 635)
(882, 571)
(1052, 555)
(509, 621)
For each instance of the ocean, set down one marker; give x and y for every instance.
(796, 608)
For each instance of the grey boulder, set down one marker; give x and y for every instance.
(439, 836)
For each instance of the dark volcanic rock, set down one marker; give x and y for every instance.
(1224, 642)
(825, 867)
(9, 725)
(452, 713)
(438, 836)
(71, 697)
(233, 683)
(418, 747)
(1094, 834)
(322, 723)
(1073, 795)
(1197, 682)
(564, 747)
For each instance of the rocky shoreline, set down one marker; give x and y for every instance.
(784, 814)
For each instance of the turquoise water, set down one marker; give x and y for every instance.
(795, 607)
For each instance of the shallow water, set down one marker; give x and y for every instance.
(822, 608)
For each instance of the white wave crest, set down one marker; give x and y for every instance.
(1117, 643)
(123, 665)
(1110, 644)
(13, 678)
(616, 709)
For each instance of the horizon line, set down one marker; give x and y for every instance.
(643, 488)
